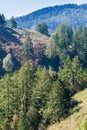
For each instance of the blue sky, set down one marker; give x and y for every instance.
(22, 7)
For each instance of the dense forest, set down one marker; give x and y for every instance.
(69, 14)
(35, 96)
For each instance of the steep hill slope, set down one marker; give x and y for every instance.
(11, 40)
(70, 14)
(78, 114)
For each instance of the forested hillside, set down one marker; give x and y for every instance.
(39, 75)
(70, 14)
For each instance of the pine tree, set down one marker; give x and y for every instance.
(23, 123)
(12, 23)
(27, 49)
(59, 102)
(26, 77)
(63, 41)
(2, 20)
(42, 28)
(42, 88)
(6, 97)
(40, 95)
(72, 74)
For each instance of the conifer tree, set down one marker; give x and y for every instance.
(59, 102)
(72, 74)
(12, 23)
(63, 40)
(42, 28)
(2, 20)
(27, 49)
(26, 77)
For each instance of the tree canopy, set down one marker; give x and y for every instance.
(12, 22)
(42, 28)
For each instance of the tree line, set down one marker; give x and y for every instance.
(3, 22)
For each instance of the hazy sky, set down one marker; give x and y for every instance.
(22, 7)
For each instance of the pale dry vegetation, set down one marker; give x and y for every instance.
(78, 114)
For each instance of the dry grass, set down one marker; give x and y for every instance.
(34, 35)
(17, 36)
(13, 39)
(78, 116)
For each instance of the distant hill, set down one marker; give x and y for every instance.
(70, 14)
(78, 114)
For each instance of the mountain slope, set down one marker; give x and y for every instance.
(70, 14)
(11, 40)
(78, 116)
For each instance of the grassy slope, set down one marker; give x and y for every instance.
(16, 36)
(78, 116)
(13, 39)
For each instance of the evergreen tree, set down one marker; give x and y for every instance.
(12, 23)
(23, 123)
(72, 74)
(27, 49)
(59, 102)
(6, 106)
(41, 89)
(80, 44)
(34, 117)
(42, 28)
(63, 41)
(40, 95)
(2, 20)
(51, 48)
(25, 78)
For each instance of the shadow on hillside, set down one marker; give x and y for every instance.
(75, 106)
(53, 62)
(17, 64)
(41, 59)
(9, 35)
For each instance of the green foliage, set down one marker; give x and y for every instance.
(22, 123)
(8, 63)
(59, 102)
(2, 20)
(41, 89)
(26, 84)
(32, 98)
(63, 40)
(51, 48)
(66, 42)
(33, 117)
(80, 44)
(27, 49)
(42, 28)
(40, 94)
(15, 95)
(6, 99)
(73, 75)
(12, 23)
